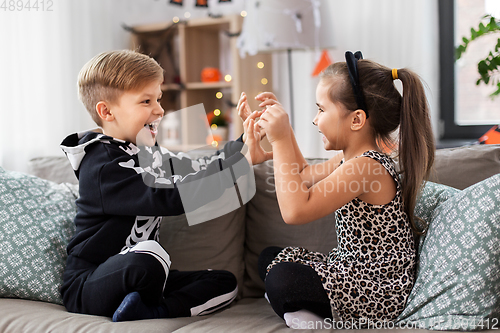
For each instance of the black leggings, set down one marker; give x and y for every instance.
(183, 293)
(291, 286)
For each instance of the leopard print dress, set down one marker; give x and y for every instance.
(371, 272)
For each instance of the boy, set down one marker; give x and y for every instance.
(115, 265)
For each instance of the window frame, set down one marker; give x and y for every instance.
(450, 130)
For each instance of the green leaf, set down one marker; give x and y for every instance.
(482, 67)
(458, 51)
(473, 33)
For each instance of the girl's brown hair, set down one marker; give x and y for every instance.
(387, 111)
(107, 75)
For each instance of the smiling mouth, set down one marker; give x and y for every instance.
(153, 126)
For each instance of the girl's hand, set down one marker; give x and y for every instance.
(274, 121)
(256, 154)
(264, 97)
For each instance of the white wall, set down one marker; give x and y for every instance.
(42, 53)
(394, 33)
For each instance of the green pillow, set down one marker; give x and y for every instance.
(458, 274)
(36, 223)
(430, 198)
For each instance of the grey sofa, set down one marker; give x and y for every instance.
(233, 242)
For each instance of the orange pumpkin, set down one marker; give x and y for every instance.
(210, 74)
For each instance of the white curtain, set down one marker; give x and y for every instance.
(42, 53)
(396, 33)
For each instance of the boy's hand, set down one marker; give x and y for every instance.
(256, 154)
(244, 112)
(243, 108)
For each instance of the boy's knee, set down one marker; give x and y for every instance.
(226, 278)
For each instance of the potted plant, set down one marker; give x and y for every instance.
(218, 131)
(488, 68)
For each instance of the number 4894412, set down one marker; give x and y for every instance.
(27, 5)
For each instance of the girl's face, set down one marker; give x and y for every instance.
(332, 119)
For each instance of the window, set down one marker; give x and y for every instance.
(467, 111)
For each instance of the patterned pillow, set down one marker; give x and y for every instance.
(36, 223)
(458, 277)
(432, 196)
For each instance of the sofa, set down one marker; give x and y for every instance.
(458, 277)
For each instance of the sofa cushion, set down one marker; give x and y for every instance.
(458, 274)
(464, 166)
(36, 222)
(215, 244)
(31, 316)
(265, 227)
(53, 168)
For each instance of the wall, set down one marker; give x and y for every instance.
(39, 105)
(393, 32)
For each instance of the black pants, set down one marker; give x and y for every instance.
(183, 293)
(292, 286)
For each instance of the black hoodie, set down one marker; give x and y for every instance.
(125, 190)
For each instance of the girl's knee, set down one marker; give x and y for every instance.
(280, 280)
(265, 258)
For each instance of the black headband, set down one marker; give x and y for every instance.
(352, 67)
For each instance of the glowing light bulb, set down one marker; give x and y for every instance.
(218, 95)
(213, 126)
(217, 112)
(187, 14)
(263, 81)
(260, 65)
(243, 13)
(228, 78)
(175, 19)
(215, 143)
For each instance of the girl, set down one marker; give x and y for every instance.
(369, 276)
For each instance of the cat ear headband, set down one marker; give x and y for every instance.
(352, 67)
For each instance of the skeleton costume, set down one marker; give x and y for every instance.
(124, 192)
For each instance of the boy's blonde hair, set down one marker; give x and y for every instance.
(109, 74)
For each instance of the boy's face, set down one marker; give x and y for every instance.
(137, 115)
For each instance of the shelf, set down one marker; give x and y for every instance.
(171, 87)
(183, 50)
(208, 85)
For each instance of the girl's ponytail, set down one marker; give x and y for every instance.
(416, 142)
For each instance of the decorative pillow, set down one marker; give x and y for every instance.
(458, 276)
(36, 223)
(430, 198)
